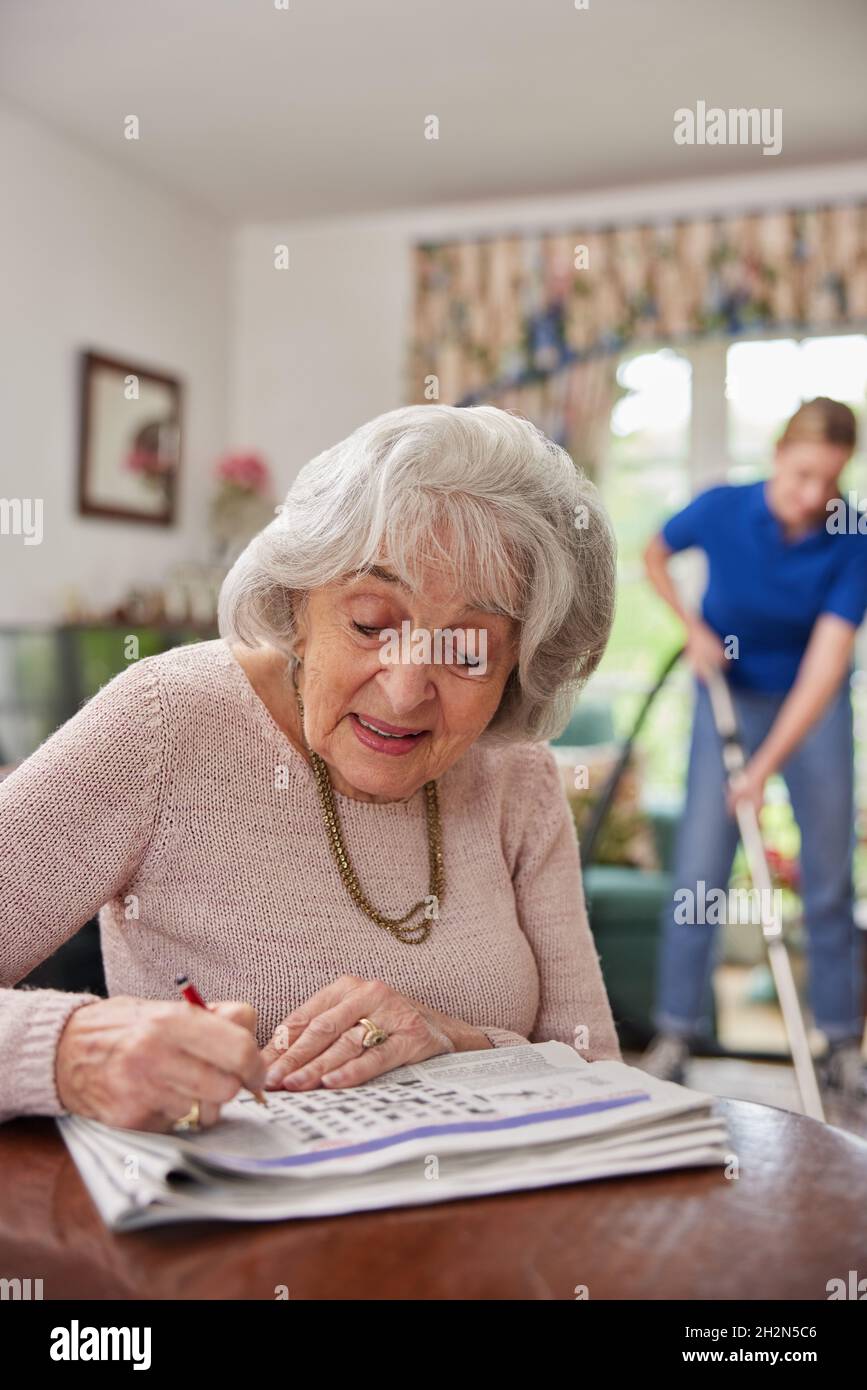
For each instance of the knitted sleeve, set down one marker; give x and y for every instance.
(76, 819)
(549, 894)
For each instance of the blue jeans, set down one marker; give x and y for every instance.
(820, 778)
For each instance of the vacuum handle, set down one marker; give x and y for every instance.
(734, 761)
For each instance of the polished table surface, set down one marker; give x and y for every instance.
(794, 1218)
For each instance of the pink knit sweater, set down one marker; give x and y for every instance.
(173, 802)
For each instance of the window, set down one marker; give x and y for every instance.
(766, 381)
(644, 479)
(705, 413)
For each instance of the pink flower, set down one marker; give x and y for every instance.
(248, 472)
(148, 462)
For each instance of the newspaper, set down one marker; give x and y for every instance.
(458, 1125)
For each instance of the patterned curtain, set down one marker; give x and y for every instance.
(536, 323)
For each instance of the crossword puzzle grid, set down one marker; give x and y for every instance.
(318, 1115)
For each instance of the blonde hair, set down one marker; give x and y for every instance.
(822, 421)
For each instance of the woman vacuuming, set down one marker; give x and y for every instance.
(786, 592)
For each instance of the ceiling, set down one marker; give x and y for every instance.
(261, 114)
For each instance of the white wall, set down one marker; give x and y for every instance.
(91, 256)
(320, 347)
(288, 362)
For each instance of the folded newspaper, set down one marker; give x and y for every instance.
(459, 1125)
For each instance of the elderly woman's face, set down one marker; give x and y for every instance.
(385, 727)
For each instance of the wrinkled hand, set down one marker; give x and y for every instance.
(320, 1042)
(140, 1063)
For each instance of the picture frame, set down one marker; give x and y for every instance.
(130, 434)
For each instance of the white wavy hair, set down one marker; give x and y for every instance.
(477, 489)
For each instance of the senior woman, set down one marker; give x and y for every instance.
(375, 855)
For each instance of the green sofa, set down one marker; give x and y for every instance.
(624, 904)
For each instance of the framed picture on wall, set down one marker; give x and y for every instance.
(129, 441)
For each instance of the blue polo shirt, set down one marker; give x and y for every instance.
(763, 589)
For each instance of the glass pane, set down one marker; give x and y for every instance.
(762, 390)
(652, 414)
(835, 367)
(767, 381)
(645, 479)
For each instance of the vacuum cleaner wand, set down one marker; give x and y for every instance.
(734, 761)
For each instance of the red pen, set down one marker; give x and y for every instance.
(192, 996)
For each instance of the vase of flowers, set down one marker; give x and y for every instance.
(242, 503)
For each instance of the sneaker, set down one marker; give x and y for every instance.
(843, 1070)
(666, 1057)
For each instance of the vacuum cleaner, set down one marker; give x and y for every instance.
(734, 760)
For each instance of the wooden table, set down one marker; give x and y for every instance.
(795, 1218)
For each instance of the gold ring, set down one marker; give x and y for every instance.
(373, 1036)
(190, 1120)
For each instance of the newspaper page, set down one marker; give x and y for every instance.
(487, 1121)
